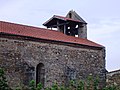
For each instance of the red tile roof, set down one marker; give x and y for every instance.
(41, 33)
(61, 18)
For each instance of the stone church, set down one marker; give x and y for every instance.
(60, 52)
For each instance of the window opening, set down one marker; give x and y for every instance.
(40, 74)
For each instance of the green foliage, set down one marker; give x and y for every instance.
(39, 86)
(18, 88)
(91, 84)
(80, 85)
(113, 87)
(55, 86)
(32, 85)
(62, 88)
(96, 83)
(3, 81)
(48, 88)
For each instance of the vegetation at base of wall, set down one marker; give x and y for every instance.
(3, 81)
(91, 84)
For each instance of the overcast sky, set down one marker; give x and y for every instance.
(102, 16)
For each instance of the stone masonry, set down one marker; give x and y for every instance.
(113, 78)
(19, 56)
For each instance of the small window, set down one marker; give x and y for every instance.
(40, 74)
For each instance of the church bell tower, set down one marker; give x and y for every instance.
(72, 24)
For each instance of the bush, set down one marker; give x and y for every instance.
(91, 84)
(3, 81)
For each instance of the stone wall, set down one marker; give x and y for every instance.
(113, 78)
(19, 58)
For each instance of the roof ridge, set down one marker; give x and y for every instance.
(114, 71)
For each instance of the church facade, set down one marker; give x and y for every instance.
(44, 55)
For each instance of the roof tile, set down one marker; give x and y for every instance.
(41, 33)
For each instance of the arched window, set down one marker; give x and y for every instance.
(40, 74)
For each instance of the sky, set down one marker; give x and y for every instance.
(102, 16)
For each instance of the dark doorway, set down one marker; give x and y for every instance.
(40, 74)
